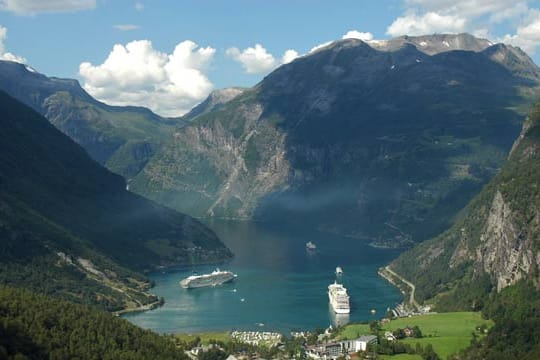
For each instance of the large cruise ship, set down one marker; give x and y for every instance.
(339, 298)
(216, 277)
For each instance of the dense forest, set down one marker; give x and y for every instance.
(37, 327)
(516, 334)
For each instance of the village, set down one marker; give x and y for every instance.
(318, 345)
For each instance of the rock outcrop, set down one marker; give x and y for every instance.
(379, 141)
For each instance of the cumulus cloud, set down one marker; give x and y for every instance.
(479, 17)
(431, 22)
(527, 35)
(351, 34)
(139, 6)
(138, 74)
(289, 56)
(32, 7)
(257, 60)
(355, 34)
(4, 55)
(126, 27)
(320, 46)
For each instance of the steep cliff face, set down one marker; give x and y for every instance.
(219, 172)
(496, 236)
(383, 141)
(505, 251)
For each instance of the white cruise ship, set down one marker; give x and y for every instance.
(216, 277)
(339, 298)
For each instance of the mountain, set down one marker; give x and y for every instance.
(122, 138)
(489, 259)
(384, 140)
(214, 101)
(496, 239)
(69, 227)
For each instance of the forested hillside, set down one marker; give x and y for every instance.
(69, 228)
(489, 259)
(37, 327)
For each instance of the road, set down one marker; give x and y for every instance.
(412, 300)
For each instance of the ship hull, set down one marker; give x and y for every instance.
(193, 282)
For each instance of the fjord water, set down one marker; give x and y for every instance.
(280, 285)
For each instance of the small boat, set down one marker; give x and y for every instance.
(311, 246)
(339, 271)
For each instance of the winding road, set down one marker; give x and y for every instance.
(412, 300)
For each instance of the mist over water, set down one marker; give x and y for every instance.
(280, 285)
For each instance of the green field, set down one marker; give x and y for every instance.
(400, 357)
(205, 337)
(353, 331)
(448, 333)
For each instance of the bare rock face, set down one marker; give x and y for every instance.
(435, 44)
(215, 100)
(383, 141)
(505, 251)
(495, 242)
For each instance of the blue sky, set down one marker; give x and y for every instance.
(219, 38)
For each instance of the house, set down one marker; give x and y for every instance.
(363, 342)
(409, 332)
(337, 349)
(389, 336)
(325, 351)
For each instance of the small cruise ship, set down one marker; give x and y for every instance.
(311, 246)
(339, 299)
(216, 277)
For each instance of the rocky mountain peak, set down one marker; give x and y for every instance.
(428, 44)
(214, 101)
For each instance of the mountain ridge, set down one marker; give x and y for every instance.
(70, 228)
(122, 138)
(496, 236)
(353, 130)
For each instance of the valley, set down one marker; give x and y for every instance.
(408, 165)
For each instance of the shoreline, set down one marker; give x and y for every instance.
(390, 276)
(140, 308)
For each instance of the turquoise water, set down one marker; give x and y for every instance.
(280, 285)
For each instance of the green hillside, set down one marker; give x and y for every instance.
(121, 138)
(37, 327)
(488, 260)
(69, 228)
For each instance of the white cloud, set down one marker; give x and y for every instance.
(355, 34)
(289, 56)
(527, 35)
(32, 7)
(479, 17)
(137, 74)
(139, 6)
(320, 46)
(4, 55)
(126, 27)
(431, 22)
(257, 60)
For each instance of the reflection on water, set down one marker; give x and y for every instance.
(280, 285)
